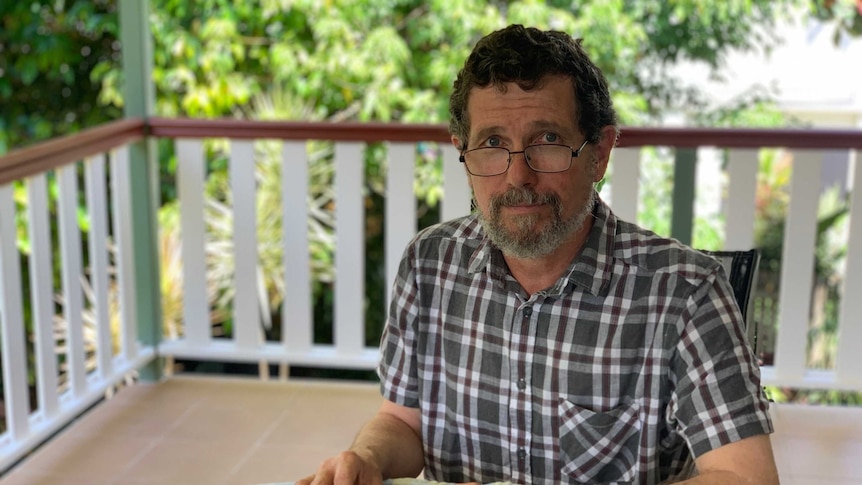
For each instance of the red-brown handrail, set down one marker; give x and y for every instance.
(55, 153)
(814, 138)
(406, 132)
(68, 149)
(297, 130)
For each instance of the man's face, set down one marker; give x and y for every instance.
(525, 213)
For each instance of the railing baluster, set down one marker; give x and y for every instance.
(190, 188)
(349, 249)
(625, 183)
(296, 316)
(797, 267)
(70, 248)
(14, 356)
(94, 182)
(456, 188)
(42, 293)
(27, 430)
(742, 170)
(246, 307)
(400, 207)
(849, 361)
(684, 194)
(123, 241)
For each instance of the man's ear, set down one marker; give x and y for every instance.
(457, 143)
(459, 146)
(606, 143)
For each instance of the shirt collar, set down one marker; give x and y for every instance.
(591, 268)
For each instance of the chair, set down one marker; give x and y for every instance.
(741, 269)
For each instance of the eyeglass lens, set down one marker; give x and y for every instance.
(541, 158)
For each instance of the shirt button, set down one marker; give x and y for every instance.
(522, 454)
(522, 384)
(528, 311)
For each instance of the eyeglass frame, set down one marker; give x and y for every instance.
(575, 154)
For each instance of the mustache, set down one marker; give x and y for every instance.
(523, 196)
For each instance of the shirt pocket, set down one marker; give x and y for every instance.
(600, 447)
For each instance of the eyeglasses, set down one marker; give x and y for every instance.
(544, 158)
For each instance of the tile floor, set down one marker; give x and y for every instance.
(208, 430)
(204, 430)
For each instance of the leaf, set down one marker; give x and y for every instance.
(28, 69)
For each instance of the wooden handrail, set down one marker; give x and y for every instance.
(813, 138)
(55, 153)
(297, 130)
(406, 132)
(68, 149)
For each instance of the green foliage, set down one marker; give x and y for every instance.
(397, 60)
(845, 14)
(830, 257)
(48, 52)
(657, 186)
(814, 396)
(378, 60)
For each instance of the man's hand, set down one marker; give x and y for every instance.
(347, 468)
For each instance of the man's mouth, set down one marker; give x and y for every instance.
(535, 204)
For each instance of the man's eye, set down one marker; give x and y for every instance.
(550, 138)
(493, 141)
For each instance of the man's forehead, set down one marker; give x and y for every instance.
(559, 86)
(531, 127)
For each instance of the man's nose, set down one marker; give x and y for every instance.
(520, 174)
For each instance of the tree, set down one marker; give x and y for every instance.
(845, 14)
(54, 57)
(380, 60)
(397, 60)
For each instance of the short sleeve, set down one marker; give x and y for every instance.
(397, 368)
(717, 397)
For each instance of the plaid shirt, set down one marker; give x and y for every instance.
(629, 365)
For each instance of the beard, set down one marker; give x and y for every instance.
(529, 238)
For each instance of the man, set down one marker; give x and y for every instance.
(543, 340)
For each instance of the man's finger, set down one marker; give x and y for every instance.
(305, 481)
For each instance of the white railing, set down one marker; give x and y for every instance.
(75, 357)
(349, 351)
(296, 346)
(108, 281)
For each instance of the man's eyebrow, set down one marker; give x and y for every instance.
(546, 125)
(486, 132)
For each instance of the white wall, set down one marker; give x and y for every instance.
(810, 76)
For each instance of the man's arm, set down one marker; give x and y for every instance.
(392, 440)
(747, 461)
(388, 446)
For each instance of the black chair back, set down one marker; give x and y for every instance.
(741, 269)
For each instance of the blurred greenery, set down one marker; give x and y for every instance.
(845, 14)
(53, 57)
(348, 59)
